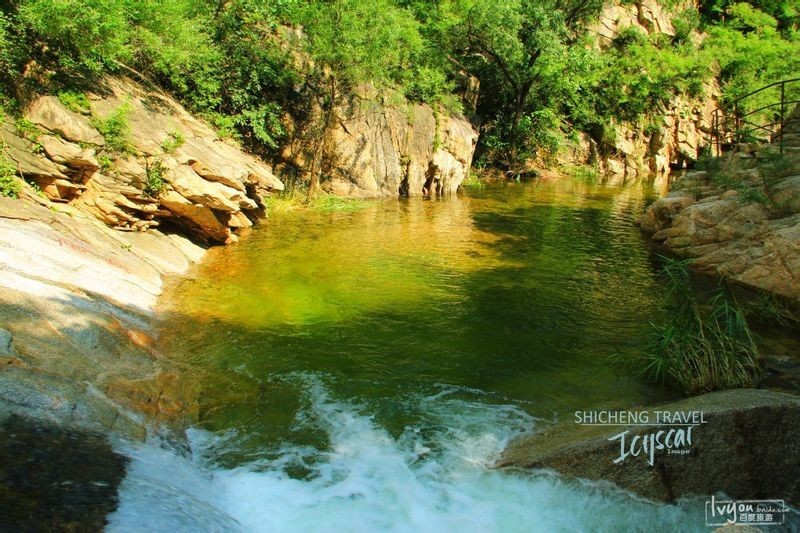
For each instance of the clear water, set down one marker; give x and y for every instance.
(362, 370)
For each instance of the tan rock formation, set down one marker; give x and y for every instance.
(208, 184)
(375, 149)
(750, 234)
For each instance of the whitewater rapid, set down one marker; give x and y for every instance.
(435, 476)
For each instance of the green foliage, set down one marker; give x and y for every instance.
(700, 347)
(115, 130)
(770, 310)
(541, 76)
(106, 164)
(174, 140)
(155, 184)
(472, 181)
(9, 183)
(384, 37)
(27, 129)
(75, 101)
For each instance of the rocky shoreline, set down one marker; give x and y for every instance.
(76, 303)
(739, 219)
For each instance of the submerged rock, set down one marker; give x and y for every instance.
(748, 448)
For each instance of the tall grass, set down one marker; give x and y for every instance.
(296, 196)
(700, 347)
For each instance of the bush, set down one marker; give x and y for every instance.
(155, 184)
(116, 130)
(75, 101)
(9, 183)
(173, 141)
(701, 348)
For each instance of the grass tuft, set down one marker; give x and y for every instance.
(700, 347)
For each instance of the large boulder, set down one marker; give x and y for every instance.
(748, 448)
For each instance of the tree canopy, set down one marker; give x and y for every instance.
(543, 76)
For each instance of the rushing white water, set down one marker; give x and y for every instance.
(431, 478)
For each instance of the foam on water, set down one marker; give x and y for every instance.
(433, 477)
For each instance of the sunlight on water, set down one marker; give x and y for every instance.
(434, 477)
(362, 370)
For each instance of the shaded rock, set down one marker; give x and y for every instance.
(747, 432)
(198, 217)
(663, 211)
(56, 479)
(786, 194)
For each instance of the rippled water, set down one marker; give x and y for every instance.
(362, 369)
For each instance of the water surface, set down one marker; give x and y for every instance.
(365, 367)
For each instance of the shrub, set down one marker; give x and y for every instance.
(701, 348)
(27, 129)
(116, 130)
(173, 141)
(106, 164)
(472, 181)
(75, 101)
(155, 179)
(9, 184)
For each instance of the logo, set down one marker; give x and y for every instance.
(745, 512)
(672, 431)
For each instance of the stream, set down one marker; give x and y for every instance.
(361, 369)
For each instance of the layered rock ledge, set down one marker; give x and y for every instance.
(165, 166)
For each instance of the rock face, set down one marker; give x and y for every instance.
(375, 149)
(679, 130)
(174, 170)
(747, 433)
(75, 303)
(741, 221)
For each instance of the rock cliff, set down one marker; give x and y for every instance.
(678, 131)
(375, 149)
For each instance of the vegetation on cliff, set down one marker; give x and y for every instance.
(543, 77)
